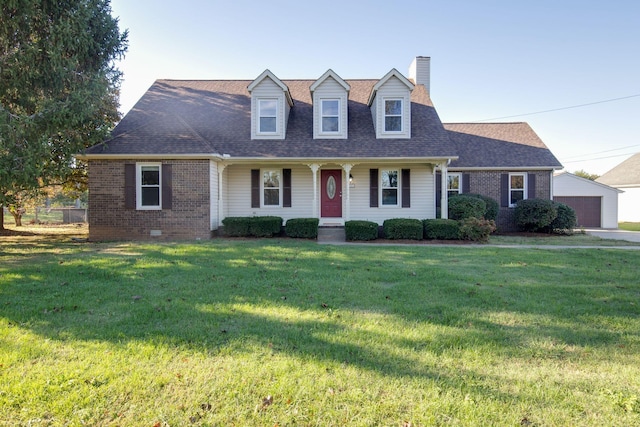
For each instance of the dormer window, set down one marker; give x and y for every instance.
(330, 115)
(268, 113)
(393, 115)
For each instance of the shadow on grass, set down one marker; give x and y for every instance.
(376, 308)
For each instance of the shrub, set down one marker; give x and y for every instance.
(403, 228)
(236, 226)
(477, 230)
(464, 206)
(493, 207)
(534, 214)
(360, 230)
(265, 226)
(304, 228)
(441, 229)
(565, 220)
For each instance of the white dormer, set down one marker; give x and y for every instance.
(330, 95)
(390, 103)
(270, 106)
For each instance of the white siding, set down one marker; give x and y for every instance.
(569, 185)
(329, 89)
(269, 89)
(238, 201)
(629, 205)
(214, 196)
(422, 195)
(392, 89)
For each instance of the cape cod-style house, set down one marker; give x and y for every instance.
(191, 153)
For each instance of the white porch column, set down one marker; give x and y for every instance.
(221, 168)
(314, 169)
(347, 171)
(444, 197)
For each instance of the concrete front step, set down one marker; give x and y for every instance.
(331, 234)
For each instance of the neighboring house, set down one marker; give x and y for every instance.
(191, 153)
(626, 177)
(595, 204)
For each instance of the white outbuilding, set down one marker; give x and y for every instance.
(596, 204)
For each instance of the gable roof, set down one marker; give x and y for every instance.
(499, 146)
(268, 74)
(383, 80)
(325, 76)
(213, 117)
(626, 174)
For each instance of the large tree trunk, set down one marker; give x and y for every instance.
(17, 216)
(1, 217)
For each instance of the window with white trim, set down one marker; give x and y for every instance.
(271, 188)
(267, 115)
(517, 188)
(149, 192)
(389, 187)
(330, 112)
(454, 184)
(393, 115)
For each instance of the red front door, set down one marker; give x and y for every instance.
(331, 197)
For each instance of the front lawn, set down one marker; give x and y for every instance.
(629, 226)
(281, 332)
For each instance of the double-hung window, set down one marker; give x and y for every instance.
(517, 188)
(393, 115)
(271, 187)
(267, 113)
(454, 184)
(330, 115)
(149, 194)
(389, 187)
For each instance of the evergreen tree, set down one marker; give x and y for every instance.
(58, 88)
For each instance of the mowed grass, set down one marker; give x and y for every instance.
(282, 332)
(629, 226)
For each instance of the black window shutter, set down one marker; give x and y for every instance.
(286, 188)
(504, 190)
(438, 189)
(167, 187)
(531, 186)
(129, 186)
(255, 188)
(406, 188)
(466, 183)
(373, 188)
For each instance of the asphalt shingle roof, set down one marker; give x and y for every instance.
(626, 173)
(187, 117)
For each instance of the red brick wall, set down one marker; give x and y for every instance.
(189, 217)
(488, 183)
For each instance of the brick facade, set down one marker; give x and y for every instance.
(487, 183)
(188, 218)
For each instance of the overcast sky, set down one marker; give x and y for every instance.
(498, 60)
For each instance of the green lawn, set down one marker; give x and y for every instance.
(629, 226)
(282, 332)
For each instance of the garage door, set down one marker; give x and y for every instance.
(588, 209)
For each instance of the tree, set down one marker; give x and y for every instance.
(586, 175)
(59, 88)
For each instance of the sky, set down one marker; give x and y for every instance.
(571, 69)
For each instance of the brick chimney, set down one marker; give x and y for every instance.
(420, 71)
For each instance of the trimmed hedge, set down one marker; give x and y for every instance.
(464, 206)
(535, 214)
(403, 228)
(441, 229)
(258, 226)
(493, 207)
(360, 230)
(565, 220)
(235, 226)
(304, 228)
(476, 229)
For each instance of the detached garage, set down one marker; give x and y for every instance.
(596, 204)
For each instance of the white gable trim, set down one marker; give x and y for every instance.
(383, 80)
(325, 76)
(268, 74)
